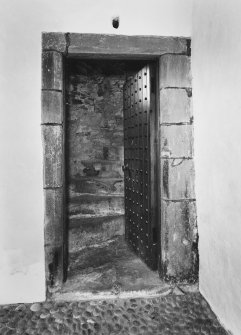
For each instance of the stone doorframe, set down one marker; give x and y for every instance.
(178, 259)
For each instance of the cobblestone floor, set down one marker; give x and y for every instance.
(186, 314)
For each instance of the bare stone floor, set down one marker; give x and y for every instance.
(109, 269)
(186, 314)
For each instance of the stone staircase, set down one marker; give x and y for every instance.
(94, 219)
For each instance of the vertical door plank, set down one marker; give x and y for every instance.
(140, 188)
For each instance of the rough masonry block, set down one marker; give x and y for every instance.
(53, 155)
(88, 231)
(52, 70)
(52, 107)
(179, 241)
(177, 177)
(54, 41)
(80, 44)
(96, 205)
(175, 71)
(53, 267)
(97, 185)
(177, 141)
(53, 217)
(175, 106)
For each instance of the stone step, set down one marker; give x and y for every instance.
(95, 204)
(97, 185)
(102, 168)
(86, 231)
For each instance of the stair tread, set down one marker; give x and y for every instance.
(96, 178)
(102, 161)
(91, 196)
(82, 220)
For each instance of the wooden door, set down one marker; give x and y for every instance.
(140, 143)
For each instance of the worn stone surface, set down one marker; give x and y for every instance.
(175, 71)
(177, 179)
(96, 185)
(125, 45)
(175, 105)
(108, 267)
(52, 70)
(53, 155)
(95, 150)
(96, 204)
(179, 240)
(85, 231)
(95, 142)
(53, 266)
(95, 122)
(53, 217)
(54, 41)
(179, 236)
(52, 107)
(187, 314)
(35, 307)
(177, 141)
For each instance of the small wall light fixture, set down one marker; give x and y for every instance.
(116, 22)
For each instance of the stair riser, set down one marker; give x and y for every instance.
(80, 237)
(97, 207)
(98, 186)
(102, 169)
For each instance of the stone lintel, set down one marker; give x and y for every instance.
(123, 45)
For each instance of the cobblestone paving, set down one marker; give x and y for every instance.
(187, 314)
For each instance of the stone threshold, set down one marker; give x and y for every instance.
(106, 295)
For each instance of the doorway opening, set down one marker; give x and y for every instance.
(111, 171)
(99, 147)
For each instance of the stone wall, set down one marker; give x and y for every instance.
(179, 236)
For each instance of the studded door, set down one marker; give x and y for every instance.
(140, 164)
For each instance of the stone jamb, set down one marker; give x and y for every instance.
(178, 202)
(52, 97)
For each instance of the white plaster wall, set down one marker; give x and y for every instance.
(216, 67)
(21, 196)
